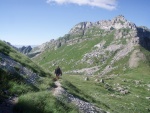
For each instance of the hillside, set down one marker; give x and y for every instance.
(94, 46)
(24, 86)
(105, 68)
(113, 58)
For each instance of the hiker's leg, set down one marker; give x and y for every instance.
(56, 77)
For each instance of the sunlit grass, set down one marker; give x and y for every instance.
(110, 99)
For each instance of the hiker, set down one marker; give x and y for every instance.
(58, 72)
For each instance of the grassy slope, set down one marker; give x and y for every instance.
(103, 95)
(7, 50)
(110, 99)
(67, 53)
(16, 83)
(42, 100)
(68, 57)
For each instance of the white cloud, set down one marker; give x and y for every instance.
(106, 4)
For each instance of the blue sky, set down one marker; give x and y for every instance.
(33, 22)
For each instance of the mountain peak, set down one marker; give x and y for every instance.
(116, 23)
(120, 18)
(80, 27)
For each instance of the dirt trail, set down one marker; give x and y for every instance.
(82, 106)
(61, 94)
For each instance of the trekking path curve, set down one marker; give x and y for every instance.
(83, 107)
(7, 105)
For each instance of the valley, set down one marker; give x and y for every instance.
(105, 64)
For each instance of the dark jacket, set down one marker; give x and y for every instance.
(58, 71)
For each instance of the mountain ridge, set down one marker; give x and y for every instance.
(80, 30)
(111, 40)
(116, 23)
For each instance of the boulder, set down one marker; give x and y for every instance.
(86, 78)
(96, 80)
(124, 92)
(102, 80)
(148, 98)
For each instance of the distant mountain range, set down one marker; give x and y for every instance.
(19, 46)
(24, 49)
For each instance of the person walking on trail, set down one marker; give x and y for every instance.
(58, 72)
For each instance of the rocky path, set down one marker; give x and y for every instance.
(7, 105)
(84, 107)
(62, 95)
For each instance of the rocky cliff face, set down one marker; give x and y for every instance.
(80, 28)
(143, 35)
(118, 22)
(25, 50)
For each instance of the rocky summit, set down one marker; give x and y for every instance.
(116, 23)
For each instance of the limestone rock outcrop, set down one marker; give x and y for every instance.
(25, 50)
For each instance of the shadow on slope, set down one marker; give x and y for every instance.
(42, 102)
(13, 84)
(144, 38)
